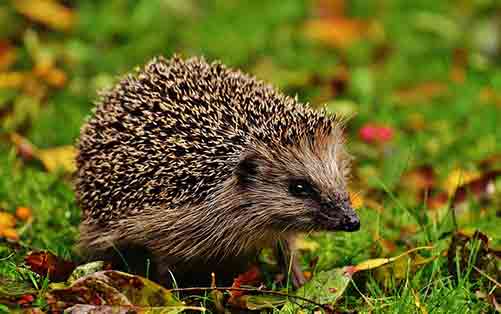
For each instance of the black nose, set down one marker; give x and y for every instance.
(351, 223)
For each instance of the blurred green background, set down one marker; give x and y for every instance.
(419, 80)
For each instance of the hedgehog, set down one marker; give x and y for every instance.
(198, 166)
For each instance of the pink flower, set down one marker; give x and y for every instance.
(376, 133)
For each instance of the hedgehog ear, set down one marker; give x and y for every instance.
(247, 169)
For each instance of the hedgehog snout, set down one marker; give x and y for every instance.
(338, 215)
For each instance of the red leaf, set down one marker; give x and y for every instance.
(46, 263)
(250, 277)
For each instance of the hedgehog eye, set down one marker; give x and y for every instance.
(300, 187)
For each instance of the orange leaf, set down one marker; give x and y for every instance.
(23, 213)
(338, 32)
(47, 12)
(9, 233)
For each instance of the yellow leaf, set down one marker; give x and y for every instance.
(418, 303)
(62, 157)
(357, 201)
(58, 157)
(457, 178)
(12, 79)
(372, 263)
(47, 12)
(300, 243)
(377, 262)
(7, 220)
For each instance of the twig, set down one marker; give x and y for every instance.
(247, 290)
(487, 276)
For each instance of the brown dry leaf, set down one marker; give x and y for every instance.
(419, 179)
(480, 187)
(330, 8)
(339, 32)
(112, 288)
(7, 55)
(47, 12)
(491, 162)
(421, 93)
(46, 263)
(485, 263)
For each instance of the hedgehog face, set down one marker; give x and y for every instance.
(302, 187)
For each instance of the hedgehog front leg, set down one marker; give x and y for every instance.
(289, 263)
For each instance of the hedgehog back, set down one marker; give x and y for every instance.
(173, 133)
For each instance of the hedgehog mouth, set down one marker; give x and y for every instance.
(338, 218)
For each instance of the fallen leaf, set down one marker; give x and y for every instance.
(479, 187)
(87, 269)
(339, 32)
(23, 213)
(12, 79)
(9, 233)
(329, 8)
(13, 292)
(62, 157)
(488, 95)
(7, 55)
(123, 309)
(473, 251)
(258, 302)
(421, 93)
(418, 303)
(250, 277)
(47, 12)
(303, 244)
(7, 220)
(457, 178)
(420, 179)
(378, 262)
(47, 264)
(357, 200)
(110, 288)
(325, 288)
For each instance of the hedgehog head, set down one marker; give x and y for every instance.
(301, 186)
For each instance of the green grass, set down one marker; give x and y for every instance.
(459, 128)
